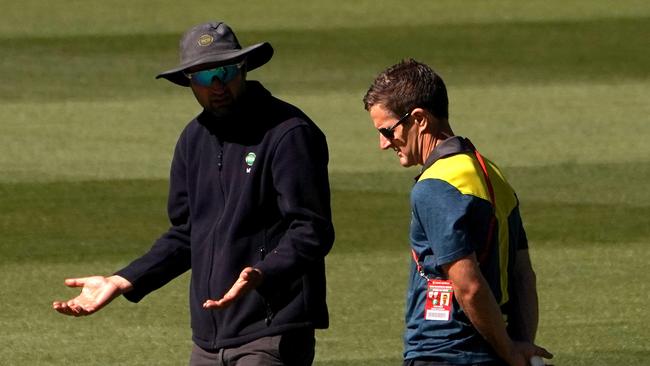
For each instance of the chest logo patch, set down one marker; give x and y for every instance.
(250, 159)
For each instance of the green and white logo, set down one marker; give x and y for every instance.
(250, 158)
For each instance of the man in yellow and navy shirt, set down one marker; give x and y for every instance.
(467, 239)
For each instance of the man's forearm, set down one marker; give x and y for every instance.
(473, 294)
(482, 310)
(525, 313)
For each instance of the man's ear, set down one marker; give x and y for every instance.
(423, 119)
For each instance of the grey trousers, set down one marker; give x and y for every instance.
(438, 363)
(295, 348)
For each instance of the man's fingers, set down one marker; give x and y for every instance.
(72, 307)
(225, 301)
(59, 306)
(213, 304)
(64, 308)
(78, 310)
(75, 282)
(544, 353)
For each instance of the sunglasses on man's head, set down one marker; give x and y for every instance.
(387, 132)
(225, 74)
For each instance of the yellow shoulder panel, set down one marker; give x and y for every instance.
(464, 172)
(460, 171)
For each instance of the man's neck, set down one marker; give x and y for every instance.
(430, 141)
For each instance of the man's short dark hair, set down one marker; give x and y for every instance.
(408, 85)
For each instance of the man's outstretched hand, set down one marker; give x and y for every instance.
(96, 292)
(248, 280)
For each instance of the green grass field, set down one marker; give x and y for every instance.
(555, 92)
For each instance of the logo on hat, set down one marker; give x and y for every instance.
(205, 40)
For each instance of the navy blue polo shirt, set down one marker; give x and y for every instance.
(451, 214)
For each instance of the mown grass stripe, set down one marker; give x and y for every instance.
(470, 54)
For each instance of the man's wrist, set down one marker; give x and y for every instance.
(515, 358)
(121, 283)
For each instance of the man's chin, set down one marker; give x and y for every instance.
(405, 162)
(220, 112)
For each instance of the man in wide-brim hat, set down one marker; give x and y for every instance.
(211, 52)
(249, 206)
(214, 44)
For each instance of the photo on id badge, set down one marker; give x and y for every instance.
(438, 301)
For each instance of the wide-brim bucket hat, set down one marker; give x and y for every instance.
(214, 43)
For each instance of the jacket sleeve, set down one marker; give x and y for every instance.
(170, 256)
(300, 177)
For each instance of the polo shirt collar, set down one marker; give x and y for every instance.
(448, 147)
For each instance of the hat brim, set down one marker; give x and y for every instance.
(256, 56)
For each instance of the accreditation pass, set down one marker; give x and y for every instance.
(437, 305)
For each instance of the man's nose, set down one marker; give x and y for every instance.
(217, 84)
(384, 143)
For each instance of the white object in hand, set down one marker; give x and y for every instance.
(536, 361)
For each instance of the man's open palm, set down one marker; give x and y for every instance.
(96, 292)
(248, 280)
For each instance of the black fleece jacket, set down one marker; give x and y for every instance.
(249, 189)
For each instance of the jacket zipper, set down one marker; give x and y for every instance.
(214, 318)
(269, 312)
(220, 167)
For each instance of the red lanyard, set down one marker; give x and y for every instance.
(493, 220)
